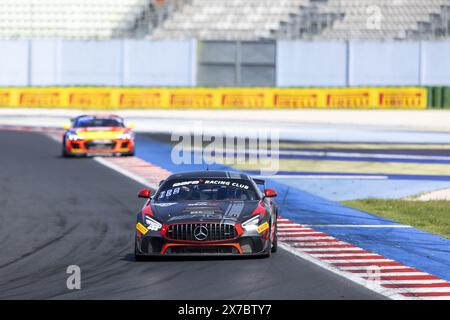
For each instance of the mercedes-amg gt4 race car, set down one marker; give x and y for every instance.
(207, 213)
(98, 135)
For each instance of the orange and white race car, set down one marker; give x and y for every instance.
(98, 135)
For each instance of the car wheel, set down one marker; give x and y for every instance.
(267, 254)
(64, 152)
(129, 154)
(137, 257)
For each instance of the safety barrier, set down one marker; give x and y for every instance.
(439, 97)
(214, 98)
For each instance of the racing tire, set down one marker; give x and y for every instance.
(129, 154)
(64, 153)
(267, 254)
(138, 257)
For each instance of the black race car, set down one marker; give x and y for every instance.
(207, 213)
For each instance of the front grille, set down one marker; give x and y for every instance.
(201, 232)
(202, 250)
(92, 145)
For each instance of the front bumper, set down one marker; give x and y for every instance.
(114, 146)
(154, 243)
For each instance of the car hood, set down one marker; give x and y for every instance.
(100, 133)
(204, 211)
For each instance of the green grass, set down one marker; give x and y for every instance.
(432, 216)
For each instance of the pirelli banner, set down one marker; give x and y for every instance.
(214, 98)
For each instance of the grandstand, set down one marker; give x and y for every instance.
(229, 19)
(309, 19)
(225, 19)
(377, 19)
(79, 19)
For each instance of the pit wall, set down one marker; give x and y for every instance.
(215, 98)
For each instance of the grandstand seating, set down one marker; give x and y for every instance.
(385, 19)
(310, 19)
(225, 19)
(84, 19)
(229, 19)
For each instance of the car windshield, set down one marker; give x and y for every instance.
(98, 122)
(205, 189)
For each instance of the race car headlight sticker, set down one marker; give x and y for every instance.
(152, 224)
(125, 136)
(251, 224)
(73, 137)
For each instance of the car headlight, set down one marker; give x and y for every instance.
(251, 224)
(125, 136)
(152, 224)
(73, 137)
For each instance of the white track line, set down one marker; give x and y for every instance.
(354, 155)
(292, 239)
(319, 250)
(325, 255)
(404, 274)
(400, 282)
(304, 244)
(357, 260)
(418, 290)
(287, 224)
(353, 268)
(299, 235)
(293, 231)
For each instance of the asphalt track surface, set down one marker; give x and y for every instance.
(57, 212)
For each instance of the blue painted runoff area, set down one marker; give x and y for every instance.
(321, 175)
(355, 189)
(364, 159)
(410, 246)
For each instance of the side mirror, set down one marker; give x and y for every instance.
(66, 126)
(131, 125)
(270, 193)
(144, 193)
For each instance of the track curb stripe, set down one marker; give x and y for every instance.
(403, 282)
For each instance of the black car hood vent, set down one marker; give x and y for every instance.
(203, 210)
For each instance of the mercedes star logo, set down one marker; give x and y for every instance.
(200, 233)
